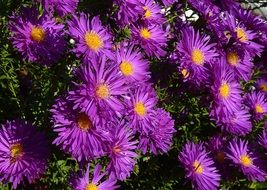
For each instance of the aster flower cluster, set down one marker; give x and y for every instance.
(111, 114)
(221, 65)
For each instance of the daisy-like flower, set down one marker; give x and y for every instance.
(240, 63)
(83, 182)
(199, 167)
(195, 52)
(102, 89)
(141, 108)
(92, 38)
(237, 123)
(257, 103)
(263, 139)
(239, 153)
(38, 38)
(151, 38)
(262, 85)
(243, 37)
(128, 11)
(121, 151)
(225, 89)
(150, 12)
(159, 140)
(23, 152)
(132, 65)
(78, 134)
(61, 7)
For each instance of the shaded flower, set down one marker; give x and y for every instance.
(38, 38)
(121, 151)
(61, 7)
(199, 167)
(150, 12)
(82, 182)
(263, 139)
(239, 153)
(23, 152)
(257, 103)
(262, 85)
(158, 140)
(92, 38)
(78, 134)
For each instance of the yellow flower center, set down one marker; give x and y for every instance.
(241, 35)
(198, 57)
(16, 150)
(220, 157)
(263, 87)
(84, 123)
(93, 41)
(245, 160)
(198, 167)
(147, 12)
(116, 149)
(37, 34)
(232, 58)
(102, 91)
(259, 108)
(224, 90)
(126, 68)
(91, 186)
(140, 109)
(145, 33)
(185, 73)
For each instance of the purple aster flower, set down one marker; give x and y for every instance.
(159, 140)
(243, 37)
(257, 103)
(83, 182)
(263, 139)
(78, 134)
(132, 65)
(92, 38)
(61, 7)
(141, 108)
(128, 11)
(102, 89)
(121, 151)
(262, 85)
(38, 38)
(195, 52)
(151, 38)
(150, 12)
(240, 64)
(23, 152)
(225, 89)
(245, 160)
(237, 123)
(199, 167)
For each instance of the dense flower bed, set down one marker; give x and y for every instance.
(132, 94)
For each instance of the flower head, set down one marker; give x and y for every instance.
(257, 103)
(96, 182)
(151, 38)
(38, 38)
(61, 7)
(121, 151)
(199, 167)
(23, 152)
(78, 134)
(245, 160)
(92, 38)
(158, 140)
